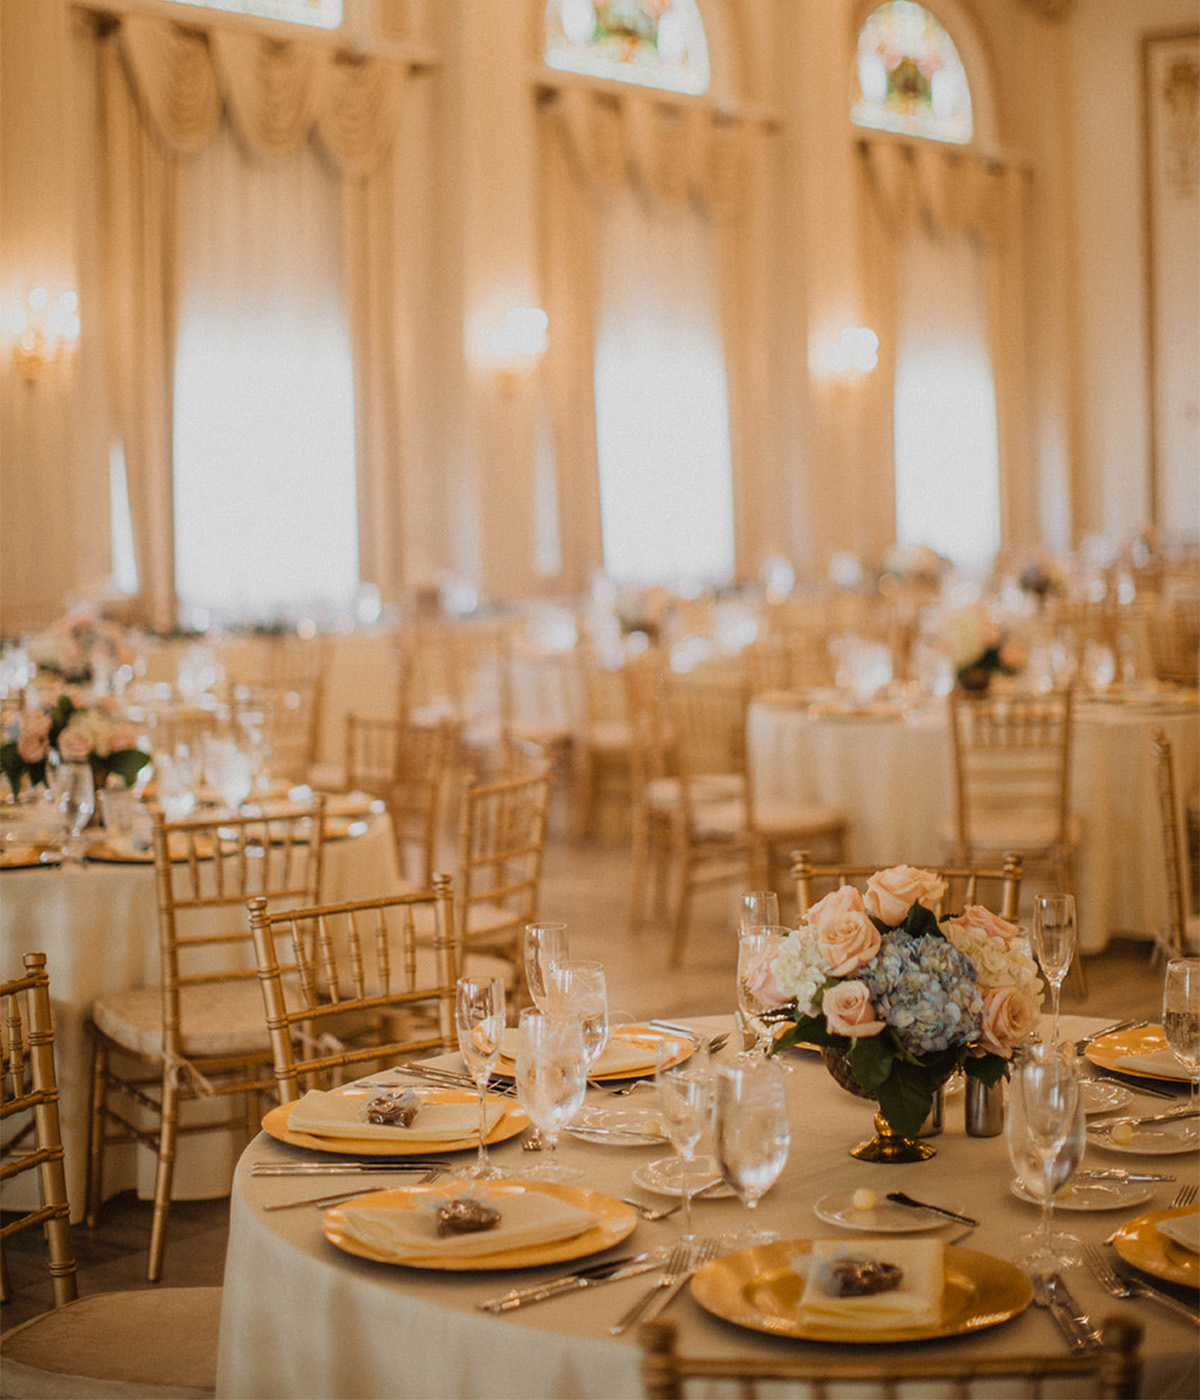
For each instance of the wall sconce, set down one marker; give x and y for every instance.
(44, 333)
(854, 353)
(517, 348)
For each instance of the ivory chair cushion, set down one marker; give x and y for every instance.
(1031, 834)
(143, 1344)
(706, 787)
(218, 1018)
(771, 818)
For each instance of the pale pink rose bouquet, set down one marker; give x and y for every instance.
(69, 732)
(79, 645)
(906, 998)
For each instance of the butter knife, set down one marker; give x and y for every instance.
(902, 1200)
(1088, 1338)
(612, 1271)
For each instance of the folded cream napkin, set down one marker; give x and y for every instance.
(917, 1302)
(1157, 1062)
(526, 1217)
(345, 1115)
(628, 1051)
(1182, 1229)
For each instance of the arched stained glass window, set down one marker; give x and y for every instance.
(321, 14)
(908, 76)
(658, 43)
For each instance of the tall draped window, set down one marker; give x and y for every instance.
(660, 43)
(908, 76)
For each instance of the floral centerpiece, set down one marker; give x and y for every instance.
(901, 998)
(1040, 577)
(70, 732)
(76, 646)
(979, 647)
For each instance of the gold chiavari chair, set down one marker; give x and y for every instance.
(997, 887)
(1182, 933)
(284, 718)
(1175, 643)
(199, 1034)
(349, 986)
(1114, 1369)
(603, 748)
(108, 1346)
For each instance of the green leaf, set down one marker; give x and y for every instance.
(988, 1069)
(127, 764)
(872, 1058)
(920, 921)
(906, 1097)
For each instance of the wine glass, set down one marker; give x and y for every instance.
(1054, 943)
(75, 794)
(545, 948)
(757, 948)
(684, 1103)
(758, 909)
(551, 1083)
(1046, 1141)
(1181, 1015)
(479, 1019)
(750, 1134)
(578, 989)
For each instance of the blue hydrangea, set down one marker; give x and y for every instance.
(926, 990)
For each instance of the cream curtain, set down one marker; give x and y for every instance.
(947, 192)
(595, 142)
(164, 92)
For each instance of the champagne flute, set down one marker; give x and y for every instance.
(758, 909)
(1046, 1141)
(479, 1019)
(1054, 943)
(75, 792)
(1181, 1015)
(684, 1104)
(545, 948)
(551, 1083)
(757, 948)
(750, 1135)
(578, 989)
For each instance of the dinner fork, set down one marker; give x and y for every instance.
(1121, 1286)
(676, 1268)
(1185, 1196)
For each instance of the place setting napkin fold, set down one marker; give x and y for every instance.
(526, 1218)
(917, 1302)
(1161, 1063)
(628, 1052)
(1182, 1230)
(322, 1114)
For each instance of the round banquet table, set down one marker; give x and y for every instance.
(98, 926)
(301, 1318)
(891, 772)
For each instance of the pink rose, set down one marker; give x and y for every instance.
(762, 983)
(844, 900)
(75, 743)
(848, 942)
(1008, 1017)
(848, 1010)
(892, 893)
(123, 736)
(975, 916)
(33, 737)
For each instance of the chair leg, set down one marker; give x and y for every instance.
(640, 871)
(95, 1158)
(683, 910)
(165, 1174)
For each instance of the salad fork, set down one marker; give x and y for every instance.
(675, 1269)
(1185, 1196)
(1119, 1285)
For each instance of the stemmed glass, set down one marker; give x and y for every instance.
(75, 794)
(1181, 1015)
(758, 909)
(1046, 1141)
(545, 948)
(684, 1104)
(479, 1019)
(750, 1135)
(1054, 943)
(551, 1083)
(578, 989)
(756, 950)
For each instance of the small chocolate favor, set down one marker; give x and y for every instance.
(463, 1215)
(396, 1110)
(857, 1278)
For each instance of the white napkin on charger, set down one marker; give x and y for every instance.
(1183, 1230)
(916, 1303)
(322, 1114)
(628, 1051)
(1161, 1063)
(526, 1218)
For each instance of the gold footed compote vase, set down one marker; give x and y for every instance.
(888, 1145)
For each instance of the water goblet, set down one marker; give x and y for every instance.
(758, 909)
(551, 1083)
(479, 1020)
(578, 989)
(545, 948)
(75, 793)
(750, 1135)
(684, 1106)
(1181, 1015)
(1054, 943)
(1046, 1141)
(756, 989)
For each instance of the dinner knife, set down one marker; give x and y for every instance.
(610, 1272)
(1082, 1327)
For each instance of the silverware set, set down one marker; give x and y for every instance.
(1120, 1285)
(663, 1212)
(683, 1261)
(1075, 1325)
(1129, 1024)
(611, 1271)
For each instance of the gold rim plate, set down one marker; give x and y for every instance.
(615, 1222)
(513, 1121)
(1142, 1040)
(29, 857)
(1139, 1243)
(653, 1040)
(760, 1289)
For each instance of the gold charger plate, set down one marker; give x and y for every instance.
(615, 1222)
(1142, 1040)
(513, 1121)
(759, 1288)
(29, 857)
(1139, 1243)
(637, 1034)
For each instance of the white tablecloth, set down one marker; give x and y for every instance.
(893, 777)
(98, 927)
(302, 1319)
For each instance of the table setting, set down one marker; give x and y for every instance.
(772, 1207)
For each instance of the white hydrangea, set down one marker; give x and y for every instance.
(995, 965)
(800, 969)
